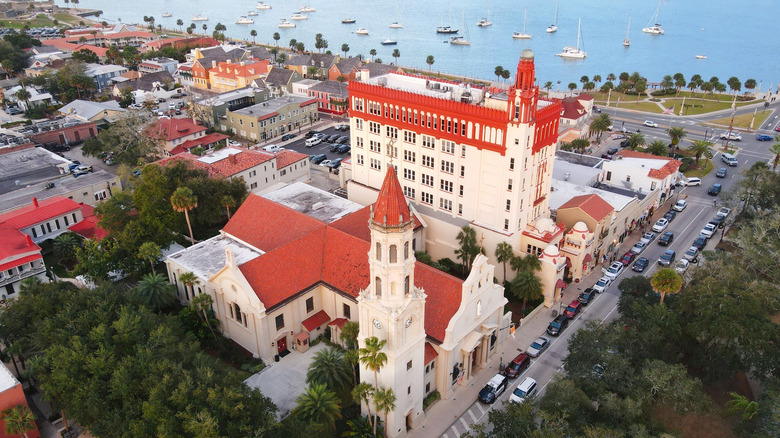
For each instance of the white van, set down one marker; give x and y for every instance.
(728, 159)
(313, 141)
(524, 390)
(273, 148)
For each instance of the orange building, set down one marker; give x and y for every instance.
(229, 76)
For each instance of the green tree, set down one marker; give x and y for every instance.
(739, 404)
(276, 38)
(189, 280)
(24, 94)
(361, 393)
(515, 420)
(658, 147)
(127, 139)
(584, 80)
(300, 47)
(374, 359)
(700, 148)
(396, 54)
(65, 246)
(750, 84)
(667, 82)
(526, 286)
(150, 251)
(640, 88)
(345, 49)
(95, 259)
(156, 292)
(775, 149)
(319, 405)
(183, 200)
(180, 23)
(384, 400)
(228, 201)
(253, 34)
(572, 87)
(597, 78)
(498, 71)
(18, 420)
(202, 303)
(601, 125)
(430, 60)
(548, 86)
(330, 369)
(635, 140)
(349, 334)
(666, 281)
(578, 145)
(676, 133)
(468, 250)
(528, 262)
(504, 253)
(359, 427)
(372, 52)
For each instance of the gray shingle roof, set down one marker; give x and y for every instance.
(334, 88)
(279, 77)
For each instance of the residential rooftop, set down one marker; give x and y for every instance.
(63, 185)
(580, 174)
(563, 191)
(224, 98)
(313, 202)
(271, 106)
(206, 258)
(29, 166)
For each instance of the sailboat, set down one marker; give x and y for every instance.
(199, 17)
(262, 6)
(167, 14)
(574, 52)
(396, 24)
(284, 24)
(299, 16)
(349, 19)
(626, 41)
(522, 35)
(655, 29)
(307, 9)
(245, 20)
(447, 29)
(361, 31)
(252, 13)
(554, 27)
(462, 40)
(485, 22)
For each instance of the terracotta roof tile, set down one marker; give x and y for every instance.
(390, 207)
(346, 262)
(671, 166)
(355, 224)
(338, 322)
(172, 129)
(316, 320)
(444, 294)
(32, 214)
(430, 353)
(224, 168)
(21, 261)
(593, 205)
(288, 157)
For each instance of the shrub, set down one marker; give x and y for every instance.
(430, 399)
(686, 162)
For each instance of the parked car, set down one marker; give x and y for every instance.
(724, 211)
(538, 346)
(334, 164)
(681, 266)
(691, 254)
(764, 137)
(700, 243)
(342, 127)
(721, 173)
(517, 366)
(666, 238)
(709, 230)
(344, 139)
(667, 257)
(650, 124)
(289, 136)
(558, 325)
(344, 149)
(334, 147)
(572, 309)
(638, 247)
(627, 258)
(693, 181)
(333, 138)
(729, 159)
(670, 215)
(601, 284)
(311, 133)
(661, 225)
(324, 163)
(640, 264)
(81, 170)
(714, 190)
(717, 220)
(525, 389)
(586, 296)
(494, 388)
(648, 237)
(313, 141)
(273, 148)
(614, 270)
(680, 205)
(317, 159)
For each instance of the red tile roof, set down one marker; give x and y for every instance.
(671, 166)
(338, 322)
(430, 353)
(584, 96)
(316, 320)
(390, 207)
(225, 168)
(288, 157)
(592, 205)
(346, 262)
(444, 293)
(89, 227)
(21, 261)
(32, 214)
(204, 141)
(172, 129)
(14, 243)
(355, 224)
(232, 70)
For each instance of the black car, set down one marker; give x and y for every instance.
(640, 264)
(666, 238)
(700, 243)
(721, 172)
(317, 159)
(718, 221)
(334, 164)
(344, 139)
(670, 215)
(586, 296)
(286, 137)
(667, 258)
(334, 147)
(494, 388)
(625, 143)
(345, 148)
(333, 138)
(714, 190)
(311, 133)
(558, 325)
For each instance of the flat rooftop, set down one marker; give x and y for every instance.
(313, 202)
(223, 98)
(208, 257)
(62, 186)
(7, 380)
(271, 106)
(27, 167)
(563, 191)
(579, 174)
(429, 87)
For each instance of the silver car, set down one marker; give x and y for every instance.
(639, 247)
(648, 237)
(538, 346)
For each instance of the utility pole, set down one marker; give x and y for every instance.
(731, 123)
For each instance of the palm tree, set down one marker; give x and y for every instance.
(180, 23)
(151, 252)
(572, 87)
(497, 71)
(228, 201)
(24, 95)
(374, 359)
(528, 262)
(360, 427)
(699, 148)
(396, 55)
(740, 404)
(467, 238)
(18, 420)
(64, 247)
(658, 147)
(584, 80)
(775, 149)
(372, 52)
(330, 369)
(600, 125)
(202, 303)
(429, 60)
(253, 34)
(611, 77)
(189, 280)
(155, 291)
(361, 393)
(183, 200)
(597, 78)
(349, 334)
(319, 405)
(635, 140)
(578, 145)
(677, 133)
(384, 400)
(345, 49)
(276, 38)
(666, 281)
(547, 86)
(667, 82)
(526, 286)
(504, 253)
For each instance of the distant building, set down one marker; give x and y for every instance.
(172, 132)
(87, 189)
(212, 108)
(11, 396)
(280, 80)
(332, 97)
(157, 64)
(272, 118)
(89, 111)
(346, 68)
(230, 76)
(642, 173)
(102, 74)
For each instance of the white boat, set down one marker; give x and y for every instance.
(447, 29)
(307, 9)
(655, 29)
(361, 31)
(348, 21)
(252, 13)
(199, 18)
(167, 14)
(626, 41)
(389, 42)
(574, 52)
(522, 35)
(299, 16)
(485, 22)
(262, 6)
(396, 24)
(244, 20)
(554, 27)
(701, 56)
(462, 40)
(284, 24)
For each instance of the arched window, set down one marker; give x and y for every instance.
(237, 311)
(406, 250)
(393, 254)
(406, 285)
(378, 283)
(378, 251)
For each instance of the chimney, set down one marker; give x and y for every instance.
(35, 202)
(29, 239)
(232, 158)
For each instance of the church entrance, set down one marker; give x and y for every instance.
(282, 346)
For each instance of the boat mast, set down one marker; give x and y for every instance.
(579, 22)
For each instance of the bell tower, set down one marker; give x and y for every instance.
(392, 308)
(523, 94)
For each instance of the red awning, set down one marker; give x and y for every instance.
(338, 322)
(587, 258)
(568, 262)
(560, 284)
(316, 320)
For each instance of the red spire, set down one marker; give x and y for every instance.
(390, 208)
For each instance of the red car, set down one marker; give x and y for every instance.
(627, 258)
(517, 366)
(573, 309)
(777, 128)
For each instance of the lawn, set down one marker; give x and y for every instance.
(64, 17)
(40, 21)
(699, 171)
(699, 106)
(743, 120)
(650, 107)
